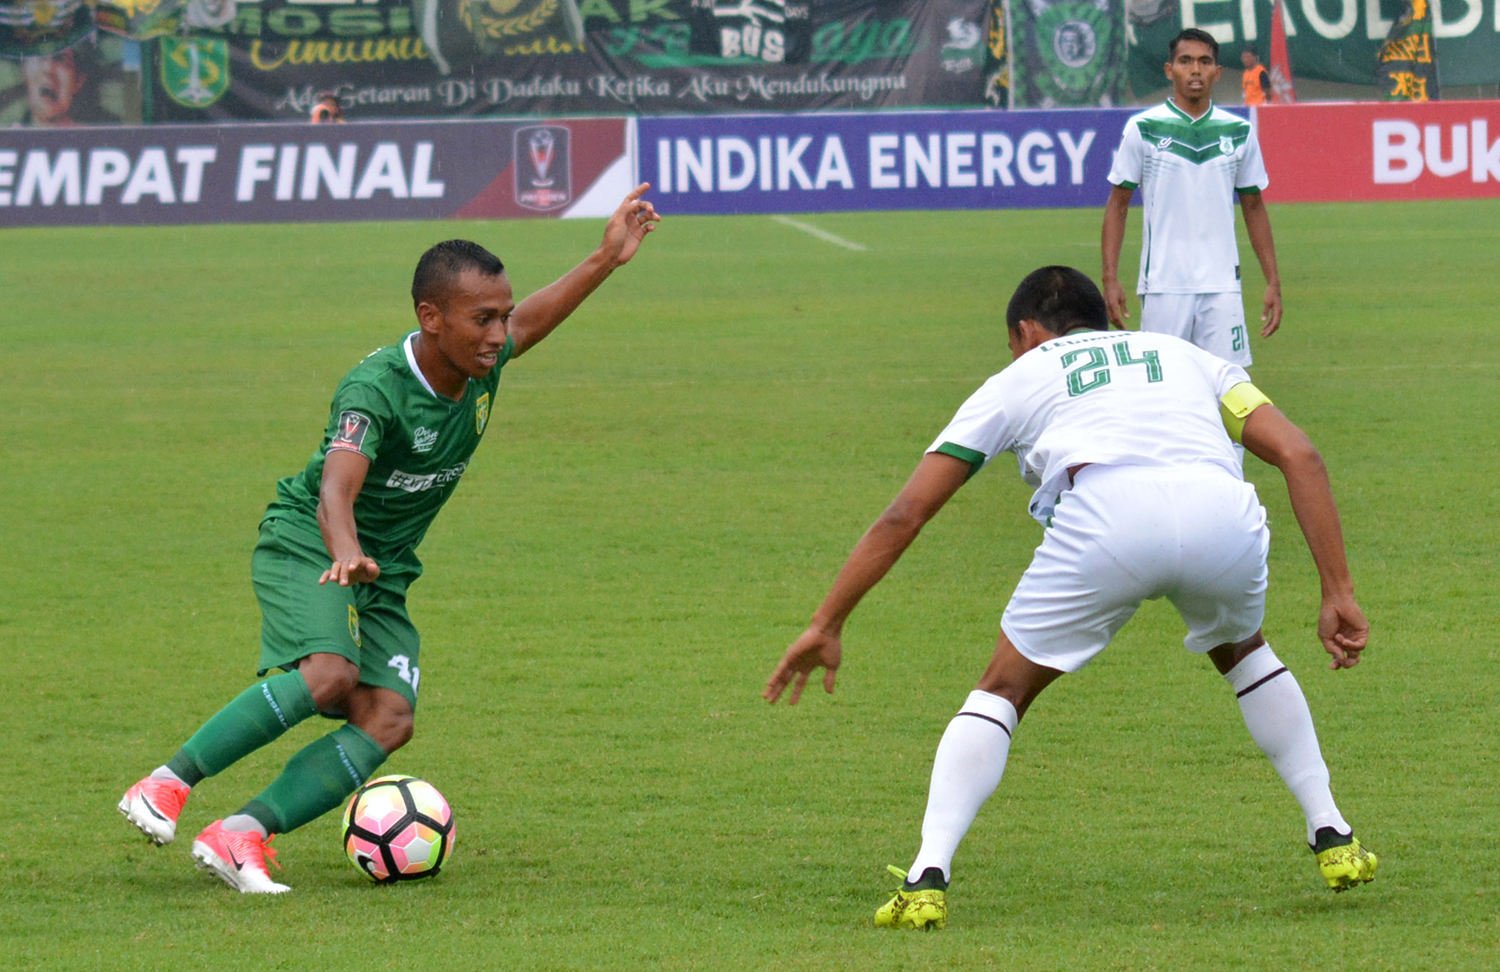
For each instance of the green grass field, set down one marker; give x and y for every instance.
(669, 486)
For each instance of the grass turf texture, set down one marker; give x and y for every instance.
(670, 484)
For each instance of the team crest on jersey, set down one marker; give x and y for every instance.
(1226, 145)
(423, 440)
(354, 627)
(351, 432)
(1165, 142)
(482, 413)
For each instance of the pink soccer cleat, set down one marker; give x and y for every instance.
(153, 806)
(238, 858)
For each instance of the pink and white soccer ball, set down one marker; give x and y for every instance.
(398, 828)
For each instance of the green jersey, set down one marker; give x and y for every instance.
(418, 442)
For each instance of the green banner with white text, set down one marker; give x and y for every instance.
(1327, 40)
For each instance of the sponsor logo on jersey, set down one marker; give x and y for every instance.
(482, 413)
(354, 627)
(423, 440)
(1165, 143)
(417, 483)
(351, 432)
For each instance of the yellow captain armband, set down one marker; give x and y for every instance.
(1236, 405)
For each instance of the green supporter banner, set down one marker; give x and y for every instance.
(1327, 40)
(1408, 69)
(455, 58)
(1067, 53)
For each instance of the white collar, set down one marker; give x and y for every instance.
(411, 361)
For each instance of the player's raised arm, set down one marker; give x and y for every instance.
(536, 316)
(937, 477)
(343, 477)
(1271, 436)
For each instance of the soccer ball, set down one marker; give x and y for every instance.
(398, 828)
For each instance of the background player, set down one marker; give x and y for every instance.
(1127, 439)
(1189, 159)
(337, 550)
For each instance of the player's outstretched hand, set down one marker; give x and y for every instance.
(1270, 311)
(1343, 630)
(813, 650)
(355, 570)
(1114, 302)
(629, 225)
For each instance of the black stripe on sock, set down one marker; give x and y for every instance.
(997, 721)
(1252, 688)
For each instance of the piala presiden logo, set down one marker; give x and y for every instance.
(544, 170)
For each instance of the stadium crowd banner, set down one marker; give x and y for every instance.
(1408, 68)
(450, 58)
(885, 161)
(1381, 151)
(1067, 53)
(262, 173)
(1329, 40)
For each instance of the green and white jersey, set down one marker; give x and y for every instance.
(1188, 172)
(418, 443)
(1115, 398)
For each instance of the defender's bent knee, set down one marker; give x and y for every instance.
(1014, 677)
(384, 715)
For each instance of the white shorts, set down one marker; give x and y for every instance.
(1214, 322)
(1125, 534)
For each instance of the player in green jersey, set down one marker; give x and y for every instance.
(337, 550)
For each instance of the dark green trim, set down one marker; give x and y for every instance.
(1129, 185)
(1247, 190)
(975, 459)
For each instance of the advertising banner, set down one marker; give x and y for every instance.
(887, 161)
(456, 58)
(1328, 40)
(1067, 53)
(304, 173)
(1375, 151)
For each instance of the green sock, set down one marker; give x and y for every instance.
(317, 779)
(257, 716)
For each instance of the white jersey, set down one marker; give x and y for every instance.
(1117, 398)
(1188, 172)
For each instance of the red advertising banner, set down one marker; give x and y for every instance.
(1379, 151)
(293, 173)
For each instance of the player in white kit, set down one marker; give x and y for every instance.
(1127, 437)
(1191, 159)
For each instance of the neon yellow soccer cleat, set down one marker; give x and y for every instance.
(1346, 865)
(923, 905)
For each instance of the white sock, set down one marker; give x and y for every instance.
(1277, 716)
(970, 760)
(162, 773)
(243, 823)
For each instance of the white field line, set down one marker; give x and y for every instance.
(821, 234)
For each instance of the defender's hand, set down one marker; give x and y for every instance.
(1270, 312)
(1114, 302)
(1343, 630)
(355, 570)
(813, 650)
(629, 225)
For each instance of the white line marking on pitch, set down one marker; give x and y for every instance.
(821, 234)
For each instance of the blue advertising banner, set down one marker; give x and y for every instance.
(805, 163)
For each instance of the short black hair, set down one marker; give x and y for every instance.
(1194, 34)
(445, 261)
(1250, 49)
(1058, 298)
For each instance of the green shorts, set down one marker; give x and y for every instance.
(365, 623)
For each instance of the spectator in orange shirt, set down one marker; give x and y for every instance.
(1256, 81)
